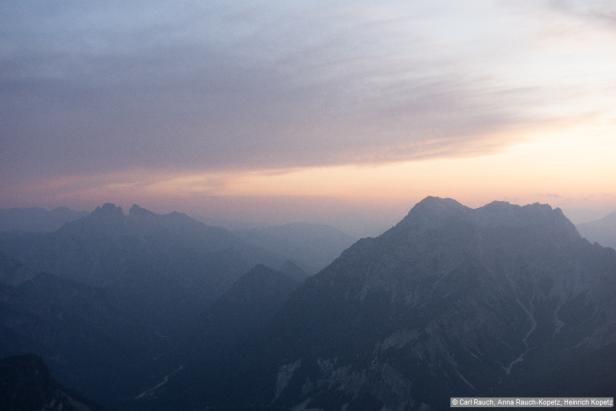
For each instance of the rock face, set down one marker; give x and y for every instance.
(26, 385)
(497, 300)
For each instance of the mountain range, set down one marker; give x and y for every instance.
(107, 295)
(311, 246)
(501, 300)
(167, 268)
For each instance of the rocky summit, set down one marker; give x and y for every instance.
(499, 300)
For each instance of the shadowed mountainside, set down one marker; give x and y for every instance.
(26, 385)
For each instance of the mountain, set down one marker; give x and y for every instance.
(13, 271)
(248, 305)
(311, 246)
(223, 342)
(37, 219)
(294, 271)
(26, 385)
(89, 343)
(499, 300)
(165, 269)
(602, 231)
(125, 291)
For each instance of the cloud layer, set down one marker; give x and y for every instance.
(101, 96)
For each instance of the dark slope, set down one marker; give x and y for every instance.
(89, 343)
(247, 307)
(224, 344)
(451, 301)
(12, 271)
(26, 385)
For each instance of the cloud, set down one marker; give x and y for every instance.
(601, 11)
(89, 87)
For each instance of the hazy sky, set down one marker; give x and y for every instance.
(343, 112)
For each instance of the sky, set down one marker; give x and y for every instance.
(343, 112)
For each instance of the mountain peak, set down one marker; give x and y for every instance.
(504, 213)
(438, 202)
(435, 212)
(434, 209)
(507, 206)
(108, 210)
(138, 211)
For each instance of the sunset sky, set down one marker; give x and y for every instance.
(343, 112)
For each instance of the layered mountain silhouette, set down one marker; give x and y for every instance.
(311, 246)
(124, 291)
(27, 385)
(294, 271)
(602, 231)
(166, 268)
(499, 300)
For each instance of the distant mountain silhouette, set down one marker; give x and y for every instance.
(602, 231)
(91, 343)
(125, 290)
(26, 385)
(37, 219)
(167, 268)
(311, 246)
(499, 300)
